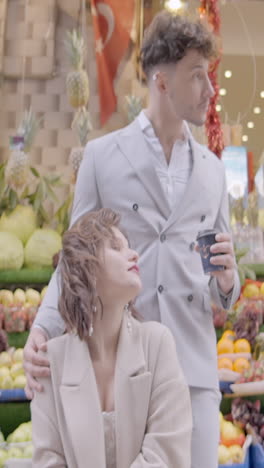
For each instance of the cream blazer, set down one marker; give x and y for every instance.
(152, 405)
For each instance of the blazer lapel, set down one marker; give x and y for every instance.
(132, 394)
(81, 405)
(195, 186)
(134, 147)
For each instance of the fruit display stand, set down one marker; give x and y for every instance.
(14, 406)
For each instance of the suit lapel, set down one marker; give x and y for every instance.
(132, 394)
(194, 187)
(81, 405)
(134, 147)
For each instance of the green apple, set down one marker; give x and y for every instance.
(28, 451)
(2, 439)
(16, 369)
(3, 457)
(7, 382)
(19, 296)
(6, 297)
(228, 430)
(33, 296)
(18, 355)
(20, 381)
(4, 371)
(14, 452)
(236, 453)
(5, 359)
(43, 292)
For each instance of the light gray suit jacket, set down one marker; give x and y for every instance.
(153, 420)
(117, 172)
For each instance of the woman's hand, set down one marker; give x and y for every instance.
(34, 364)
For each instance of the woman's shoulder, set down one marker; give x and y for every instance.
(155, 332)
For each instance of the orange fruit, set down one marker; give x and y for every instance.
(225, 345)
(240, 364)
(251, 290)
(242, 346)
(225, 363)
(230, 334)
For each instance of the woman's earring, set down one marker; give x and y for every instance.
(91, 329)
(129, 323)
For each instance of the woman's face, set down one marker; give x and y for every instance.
(118, 277)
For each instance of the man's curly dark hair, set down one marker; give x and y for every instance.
(169, 37)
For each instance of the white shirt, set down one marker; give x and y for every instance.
(175, 175)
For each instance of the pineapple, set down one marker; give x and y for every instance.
(134, 107)
(17, 169)
(83, 127)
(77, 82)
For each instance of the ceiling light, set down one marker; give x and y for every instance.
(228, 73)
(244, 138)
(257, 110)
(250, 125)
(262, 94)
(222, 92)
(174, 5)
(218, 107)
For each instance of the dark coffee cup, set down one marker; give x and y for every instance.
(205, 239)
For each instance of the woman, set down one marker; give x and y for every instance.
(116, 397)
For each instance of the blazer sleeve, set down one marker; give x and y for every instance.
(86, 199)
(223, 225)
(48, 449)
(167, 440)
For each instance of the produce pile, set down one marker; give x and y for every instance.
(17, 445)
(18, 309)
(12, 373)
(247, 416)
(22, 243)
(232, 439)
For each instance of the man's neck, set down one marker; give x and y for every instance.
(166, 129)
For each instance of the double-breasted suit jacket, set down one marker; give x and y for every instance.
(153, 421)
(118, 172)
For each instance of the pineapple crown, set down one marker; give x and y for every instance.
(28, 128)
(75, 49)
(83, 126)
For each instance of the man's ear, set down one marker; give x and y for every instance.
(160, 79)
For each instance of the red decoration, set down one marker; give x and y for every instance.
(112, 26)
(210, 9)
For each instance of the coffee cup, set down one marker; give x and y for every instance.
(206, 239)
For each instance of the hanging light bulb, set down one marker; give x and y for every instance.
(175, 5)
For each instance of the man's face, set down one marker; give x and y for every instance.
(187, 88)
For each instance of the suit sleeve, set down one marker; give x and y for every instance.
(86, 198)
(167, 440)
(48, 449)
(222, 224)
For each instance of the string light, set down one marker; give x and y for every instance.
(250, 125)
(174, 5)
(257, 110)
(222, 92)
(244, 138)
(262, 94)
(218, 107)
(228, 73)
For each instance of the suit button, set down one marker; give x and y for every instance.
(190, 297)
(135, 207)
(192, 245)
(162, 237)
(160, 288)
(203, 218)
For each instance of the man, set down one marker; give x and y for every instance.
(167, 188)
